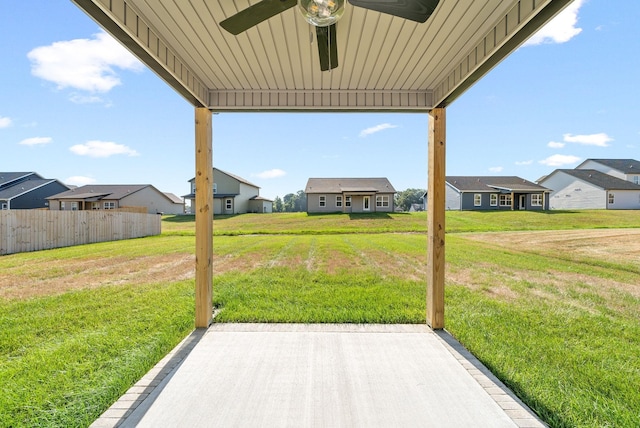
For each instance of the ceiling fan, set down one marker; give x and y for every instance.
(323, 14)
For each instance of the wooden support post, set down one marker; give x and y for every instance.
(435, 218)
(204, 218)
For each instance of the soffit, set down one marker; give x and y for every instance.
(385, 63)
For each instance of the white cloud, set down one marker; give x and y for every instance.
(271, 173)
(35, 141)
(377, 128)
(78, 180)
(560, 160)
(496, 169)
(85, 64)
(527, 162)
(84, 99)
(560, 29)
(102, 149)
(555, 145)
(5, 122)
(600, 140)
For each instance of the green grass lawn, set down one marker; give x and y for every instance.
(79, 325)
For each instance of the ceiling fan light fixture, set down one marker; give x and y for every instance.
(321, 13)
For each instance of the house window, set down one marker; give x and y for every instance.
(338, 201)
(636, 179)
(215, 188)
(611, 198)
(109, 205)
(382, 201)
(74, 206)
(536, 200)
(95, 205)
(494, 200)
(228, 204)
(323, 201)
(477, 199)
(505, 200)
(347, 201)
(4, 205)
(62, 207)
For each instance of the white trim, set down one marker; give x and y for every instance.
(366, 203)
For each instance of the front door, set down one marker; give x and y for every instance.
(365, 203)
(523, 202)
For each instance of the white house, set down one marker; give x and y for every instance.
(590, 189)
(624, 169)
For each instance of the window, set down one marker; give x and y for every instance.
(338, 201)
(109, 205)
(347, 201)
(477, 199)
(228, 204)
(536, 200)
(382, 201)
(4, 205)
(193, 187)
(505, 200)
(636, 179)
(74, 206)
(494, 200)
(95, 205)
(62, 207)
(323, 201)
(215, 188)
(612, 198)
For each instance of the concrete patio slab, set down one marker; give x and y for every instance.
(319, 375)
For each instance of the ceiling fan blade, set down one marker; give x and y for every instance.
(253, 15)
(327, 47)
(413, 10)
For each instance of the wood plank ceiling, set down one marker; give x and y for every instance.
(385, 63)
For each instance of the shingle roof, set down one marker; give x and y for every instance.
(626, 166)
(22, 187)
(7, 177)
(339, 185)
(174, 198)
(104, 191)
(237, 177)
(599, 179)
(493, 183)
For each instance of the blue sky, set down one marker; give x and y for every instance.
(76, 106)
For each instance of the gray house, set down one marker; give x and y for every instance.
(591, 189)
(232, 195)
(27, 190)
(349, 195)
(494, 193)
(624, 169)
(117, 196)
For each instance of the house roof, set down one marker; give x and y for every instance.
(10, 192)
(599, 179)
(260, 198)
(384, 62)
(626, 166)
(493, 183)
(101, 191)
(340, 185)
(174, 198)
(237, 177)
(8, 177)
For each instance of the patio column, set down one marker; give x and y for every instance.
(204, 217)
(435, 218)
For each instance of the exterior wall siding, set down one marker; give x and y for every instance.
(452, 199)
(224, 184)
(570, 193)
(357, 203)
(624, 200)
(155, 201)
(36, 198)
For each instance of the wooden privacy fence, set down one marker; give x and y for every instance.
(32, 230)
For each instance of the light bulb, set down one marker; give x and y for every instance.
(321, 13)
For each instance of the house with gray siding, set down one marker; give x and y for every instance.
(232, 195)
(349, 195)
(27, 190)
(117, 196)
(591, 189)
(494, 193)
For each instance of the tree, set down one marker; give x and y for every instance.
(301, 201)
(289, 203)
(408, 197)
(277, 204)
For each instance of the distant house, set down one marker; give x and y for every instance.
(349, 195)
(232, 195)
(494, 193)
(591, 189)
(27, 190)
(624, 169)
(117, 196)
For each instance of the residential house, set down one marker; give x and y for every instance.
(591, 189)
(349, 195)
(117, 196)
(494, 193)
(624, 169)
(27, 190)
(232, 195)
